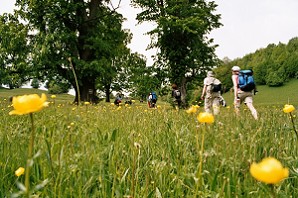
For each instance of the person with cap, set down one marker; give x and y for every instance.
(242, 96)
(211, 93)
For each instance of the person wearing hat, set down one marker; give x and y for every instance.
(211, 96)
(242, 96)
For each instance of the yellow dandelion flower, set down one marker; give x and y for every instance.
(205, 118)
(192, 109)
(87, 103)
(288, 108)
(20, 171)
(269, 171)
(53, 96)
(28, 104)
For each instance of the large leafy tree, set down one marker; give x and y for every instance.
(185, 51)
(14, 50)
(71, 37)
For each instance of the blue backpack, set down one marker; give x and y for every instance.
(154, 96)
(246, 81)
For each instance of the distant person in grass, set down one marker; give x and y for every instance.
(176, 97)
(118, 99)
(242, 96)
(152, 99)
(211, 94)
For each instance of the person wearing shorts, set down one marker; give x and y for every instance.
(211, 98)
(240, 96)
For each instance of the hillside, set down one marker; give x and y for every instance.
(287, 94)
(7, 93)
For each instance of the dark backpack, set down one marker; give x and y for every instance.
(177, 94)
(216, 86)
(246, 80)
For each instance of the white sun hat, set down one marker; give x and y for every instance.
(235, 68)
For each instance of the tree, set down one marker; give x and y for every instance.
(35, 83)
(185, 51)
(14, 51)
(86, 32)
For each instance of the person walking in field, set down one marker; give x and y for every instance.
(243, 86)
(152, 99)
(211, 94)
(176, 97)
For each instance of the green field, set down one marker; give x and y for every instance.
(132, 151)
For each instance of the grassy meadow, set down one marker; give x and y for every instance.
(135, 152)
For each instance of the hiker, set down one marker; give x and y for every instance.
(243, 95)
(118, 99)
(176, 97)
(152, 99)
(211, 93)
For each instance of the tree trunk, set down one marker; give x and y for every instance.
(87, 91)
(183, 92)
(107, 91)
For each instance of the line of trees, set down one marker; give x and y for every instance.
(272, 66)
(55, 41)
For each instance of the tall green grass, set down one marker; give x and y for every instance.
(106, 151)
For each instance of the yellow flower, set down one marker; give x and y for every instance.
(288, 108)
(269, 171)
(20, 171)
(192, 109)
(53, 96)
(133, 101)
(205, 118)
(87, 103)
(28, 104)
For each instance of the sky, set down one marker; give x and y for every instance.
(248, 25)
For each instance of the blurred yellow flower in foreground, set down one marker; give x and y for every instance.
(269, 171)
(205, 118)
(288, 108)
(191, 109)
(28, 104)
(20, 171)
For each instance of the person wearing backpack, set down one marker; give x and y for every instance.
(243, 86)
(118, 99)
(211, 93)
(152, 99)
(176, 96)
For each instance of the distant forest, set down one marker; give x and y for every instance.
(272, 66)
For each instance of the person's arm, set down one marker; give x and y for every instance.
(203, 92)
(235, 86)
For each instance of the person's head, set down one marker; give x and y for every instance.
(235, 69)
(210, 74)
(174, 86)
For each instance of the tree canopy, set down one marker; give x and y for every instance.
(181, 35)
(272, 66)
